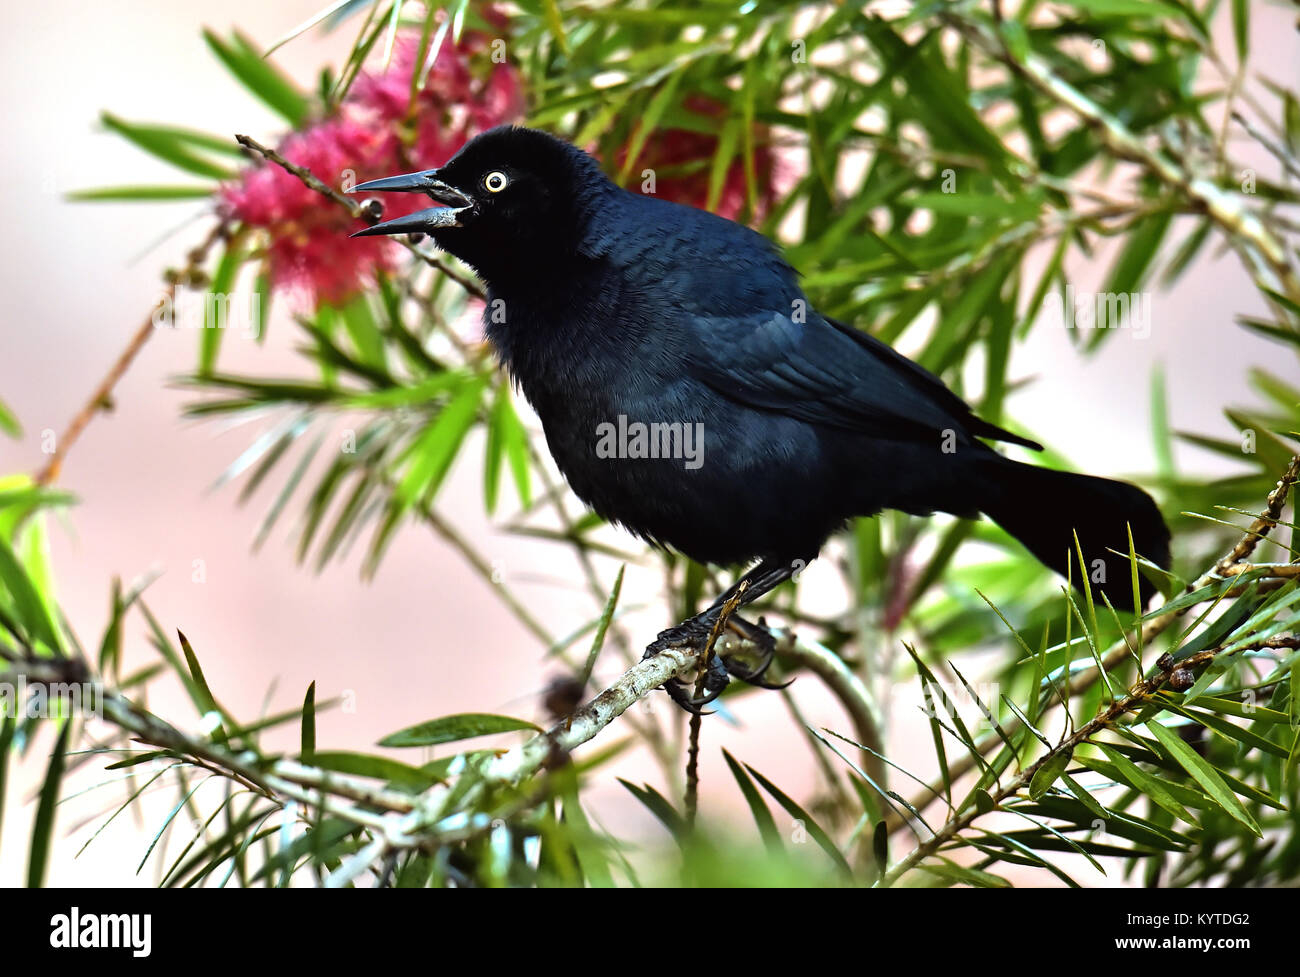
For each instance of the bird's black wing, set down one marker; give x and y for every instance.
(714, 279)
(927, 381)
(829, 374)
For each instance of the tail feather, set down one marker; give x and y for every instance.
(1044, 509)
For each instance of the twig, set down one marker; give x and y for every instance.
(1281, 155)
(692, 800)
(1260, 528)
(101, 397)
(1137, 697)
(1232, 216)
(354, 208)
(484, 569)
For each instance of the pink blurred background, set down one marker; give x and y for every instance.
(428, 636)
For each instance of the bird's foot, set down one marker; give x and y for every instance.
(715, 680)
(693, 634)
(749, 663)
(753, 667)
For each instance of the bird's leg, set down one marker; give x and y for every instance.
(692, 632)
(700, 631)
(696, 631)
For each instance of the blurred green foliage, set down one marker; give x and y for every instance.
(944, 169)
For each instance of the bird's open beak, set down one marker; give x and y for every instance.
(422, 221)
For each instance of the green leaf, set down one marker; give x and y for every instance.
(1017, 39)
(1232, 731)
(363, 330)
(1291, 124)
(1136, 777)
(598, 639)
(1295, 692)
(988, 206)
(728, 141)
(262, 294)
(1160, 434)
(936, 93)
(1203, 774)
(1121, 825)
(308, 737)
(8, 423)
(1186, 253)
(762, 816)
(204, 701)
(308, 24)
(661, 808)
(377, 767)
(317, 842)
(140, 194)
(7, 725)
(1084, 797)
(950, 871)
(1241, 27)
(1033, 857)
(449, 729)
(32, 612)
(259, 76)
(589, 847)
(167, 821)
(43, 823)
(1134, 261)
(506, 439)
(988, 713)
(217, 304)
(814, 830)
(437, 447)
(555, 24)
(649, 122)
(1270, 330)
(1129, 8)
(936, 695)
(1232, 707)
(1048, 773)
(169, 145)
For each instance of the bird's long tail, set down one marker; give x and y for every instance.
(1044, 508)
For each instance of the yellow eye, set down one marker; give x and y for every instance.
(495, 181)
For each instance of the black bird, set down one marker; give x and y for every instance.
(612, 309)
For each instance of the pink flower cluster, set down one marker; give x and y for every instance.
(378, 130)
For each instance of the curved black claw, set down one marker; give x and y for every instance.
(715, 680)
(754, 677)
(693, 633)
(759, 635)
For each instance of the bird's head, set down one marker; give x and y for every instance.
(511, 198)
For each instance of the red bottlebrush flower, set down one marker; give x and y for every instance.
(308, 247)
(682, 160)
(377, 131)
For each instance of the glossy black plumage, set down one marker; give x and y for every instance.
(605, 303)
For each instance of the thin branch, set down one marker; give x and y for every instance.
(1144, 689)
(1223, 208)
(355, 209)
(101, 398)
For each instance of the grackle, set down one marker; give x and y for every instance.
(690, 392)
